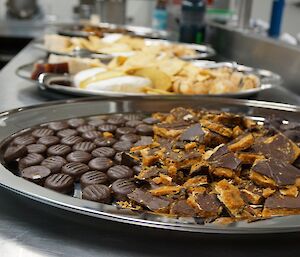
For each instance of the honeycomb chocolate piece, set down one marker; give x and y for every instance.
(91, 135)
(104, 152)
(93, 177)
(293, 135)
(217, 128)
(97, 193)
(218, 152)
(85, 128)
(71, 140)
(107, 128)
(242, 142)
(42, 132)
(60, 150)
(119, 172)
(85, 146)
(75, 169)
(270, 172)
(105, 141)
(150, 121)
(79, 156)
(122, 146)
(149, 201)
(228, 161)
(116, 120)
(133, 123)
(76, 122)
(14, 152)
(144, 130)
(67, 133)
(129, 160)
(54, 163)
(100, 164)
(208, 205)
(30, 160)
(144, 140)
(58, 125)
(36, 174)
(36, 148)
(193, 133)
(121, 188)
(60, 182)
(24, 140)
(182, 208)
(124, 131)
(133, 138)
(48, 140)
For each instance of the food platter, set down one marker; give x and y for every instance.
(15, 120)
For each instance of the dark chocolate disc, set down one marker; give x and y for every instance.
(107, 128)
(97, 193)
(85, 146)
(133, 123)
(79, 156)
(15, 152)
(100, 163)
(124, 131)
(132, 116)
(116, 120)
(30, 160)
(85, 128)
(74, 123)
(75, 169)
(58, 125)
(118, 157)
(36, 148)
(122, 187)
(42, 132)
(48, 140)
(91, 135)
(118, 172)
(105, 141)
(67, 133)
(150, 121)
(71, 140)
(54, 163)
(61, 150)
(96, 122)
(122, 146)
(144, 130)
(36, 174)
(104, 151)
(93, 177)
(24, 140)
(60, 182)
(130, 137)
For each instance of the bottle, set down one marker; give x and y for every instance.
(192, 26)
(160, 15)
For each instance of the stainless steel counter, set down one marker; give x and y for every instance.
(32, 229)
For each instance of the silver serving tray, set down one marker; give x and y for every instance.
(15, 120)
(51, 82)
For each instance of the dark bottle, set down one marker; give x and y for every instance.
(192, 26)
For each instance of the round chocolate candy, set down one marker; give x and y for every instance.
(54, 163)
(97, 193)
(130, 137)
(122, 146)
(58, 125)
(137, 169)
(60, 182)
(79, 156)
(42, 132)
(36, 148)
(107, 128)
(132, 116)
(118, 172)
(60, 150)
(30, 160)
(116, 120)
(93, 177)
(118, 157)
(144, 130)
(14, 152)
(74, 123)
(48, 140)
(104, 151)
(150, 121)
(121, 188)
(96, 122)
(71, 140)
(100, 164)
(85, 146)
(133, 123)
(75, 169)
(67, 133)
(36, 174)
(85, 128)
(91, 135)
(24, 140)
(105, 141)
(124, 131)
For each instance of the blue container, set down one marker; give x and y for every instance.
(276, 18)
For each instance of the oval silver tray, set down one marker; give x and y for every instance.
(50, 81)
(15, 120)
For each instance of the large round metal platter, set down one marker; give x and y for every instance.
(16, 120)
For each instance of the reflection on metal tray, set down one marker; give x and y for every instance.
(18, 119)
